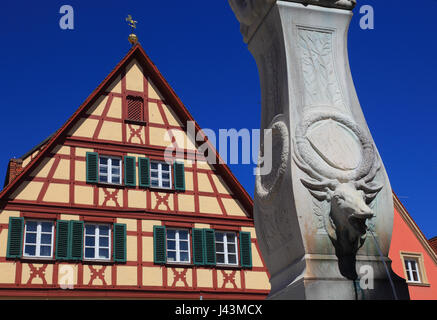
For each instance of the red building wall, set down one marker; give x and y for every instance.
(408, 238)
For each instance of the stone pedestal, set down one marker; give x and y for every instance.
(327, 192)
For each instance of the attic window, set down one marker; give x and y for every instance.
(135, 109)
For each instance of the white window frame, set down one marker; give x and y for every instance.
(159, 178)
(409, 261)
(109, 169)
(225, 251)
(97, 246)
(177, 245)
(38, 243)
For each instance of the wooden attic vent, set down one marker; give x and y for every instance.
(135, 109)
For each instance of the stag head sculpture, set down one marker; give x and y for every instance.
(348, 196)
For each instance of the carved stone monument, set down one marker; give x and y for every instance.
(324, 214)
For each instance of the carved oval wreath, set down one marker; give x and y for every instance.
(267, 185)
(320, 165)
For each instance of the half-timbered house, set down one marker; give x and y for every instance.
(97, 210)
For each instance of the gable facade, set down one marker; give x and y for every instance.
(98, 210)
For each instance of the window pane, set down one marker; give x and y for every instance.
(155, 183)
(154, 174)
(103, 170)
(219, 236)
(165, 175)
(46, 238)
(232, 259)
(45, 251)
(103, 178)
(115, 171)
(104, 242)
(104, 161)
(219, 247)
(184, 256)
(230, 237)
(413, 265)
(165, 167)
(171, 234)
(166, 184)
(183, 234)
(171, 245)
(90, 229)
(104, 230)
(89, 253)
(103, 253)
(183, 245)
(153, 165)
(31, 226)
(90, 241)
(231, 248)
(46, 227)
(30, 237)
(220, 258)
(115, 162)
(115, 179)
(30, 250)
(171, 256)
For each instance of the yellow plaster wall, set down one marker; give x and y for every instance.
(204, 278)
(228, 285)
(153, 91)
(97, 108)
(80, 171)
(67, 275)
(84, 128)
(83, 195)
(154, 114)
(137, 199)
(28, 191)
(63, 170)
(131, 248)
(131, 224)
(159, 137)
(135, 138)
(126, 276)
(111, 202)
(64, 150)
(81, 152)
(162, 205)
(42, 170)
(209, 205)
(152, 276)
(134, 77)
(180, 283)
(7, 272)
(186, 202)
(203, 183)
(6, 214)
(256, 280)
(233, 207)
(115, 108)
(172, 119)
(57, 192)
(221, 185)
(115, 86)
(147, 225)
(70, 217)
(147, 249)
(111, 131)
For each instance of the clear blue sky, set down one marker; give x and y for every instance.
(46, 73)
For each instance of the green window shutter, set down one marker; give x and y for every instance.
(198, 246)
(209, 246)
(15, 237)
(119, 242)
(130, 167)
(159, 245)
(92, 167)
(144, 172)
(62, 239)
(76, 240)
(179, 176)
(245, 250)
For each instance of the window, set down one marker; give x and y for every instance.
(178, 246)
(412, 270)
(97, 242)
(38, 239)
(135, 109)
(109, 170)
(160, 175)
(226, 248)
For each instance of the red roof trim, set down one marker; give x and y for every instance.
(138, 52)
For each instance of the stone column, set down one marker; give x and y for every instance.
(328, 191)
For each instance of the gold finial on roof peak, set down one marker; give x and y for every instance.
(133, 39)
